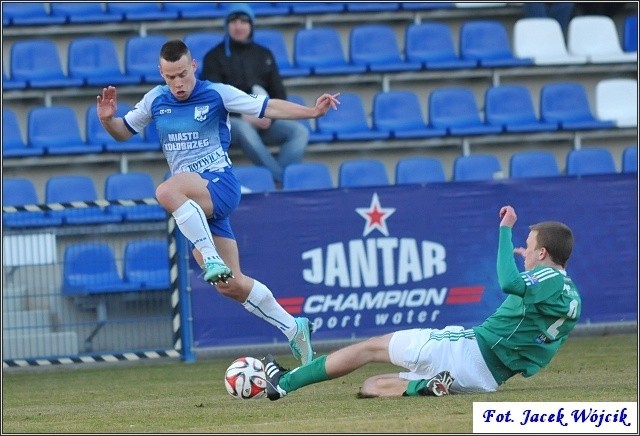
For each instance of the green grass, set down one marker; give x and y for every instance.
(170, 396)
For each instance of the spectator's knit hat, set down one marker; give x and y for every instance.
(235, 11)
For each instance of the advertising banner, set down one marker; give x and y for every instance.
(368, 261)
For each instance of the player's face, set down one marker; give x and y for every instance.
(180, 76)
(239, 29)
(533, 254)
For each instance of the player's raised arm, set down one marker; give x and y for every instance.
(286, 110)
(107, 105)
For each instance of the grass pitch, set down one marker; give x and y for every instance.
(174, 397)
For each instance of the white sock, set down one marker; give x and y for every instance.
(262, 303)
(193, 224)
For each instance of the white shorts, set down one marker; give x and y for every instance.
(426, 352)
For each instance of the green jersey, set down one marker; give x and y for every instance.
(526, 331)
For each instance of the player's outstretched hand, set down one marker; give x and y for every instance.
(325, 102)
(508, 216)
(107, 103)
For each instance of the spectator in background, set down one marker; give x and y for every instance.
(240, 62)
(562, 12)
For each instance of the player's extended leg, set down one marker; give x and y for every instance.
(258, 299)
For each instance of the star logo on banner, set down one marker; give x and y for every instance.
(375, 216)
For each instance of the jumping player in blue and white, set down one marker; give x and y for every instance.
(192, 120)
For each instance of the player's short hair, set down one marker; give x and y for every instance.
(173, 50)
(557, 238)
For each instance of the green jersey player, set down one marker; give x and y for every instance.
(521, 337)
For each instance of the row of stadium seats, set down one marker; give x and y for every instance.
(91, 268)
(60, 13)
(362, 172)
(301, 176)
(373, 48)
(452, 111)
(64, 189)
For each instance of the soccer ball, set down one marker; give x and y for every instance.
(245, 379)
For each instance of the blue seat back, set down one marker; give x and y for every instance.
(83, 12)
(318, 47)
(19, 191)
(630, 34)
(93, 56)
(589, 161)
(306, 176)
(453, 107)
(90, 268)
(54, 126)
(509, 104)
(200, 43)
(476, 167)
(397, 110)
(429, 41)
(350, 118)
(29, 13)
(35, 59)
(65, 189)
(564, 101)
(362, 172)
(141, 56)
(484, 39)
(373, 44)
(536, 163)
(96, 134)
(630, 159)
(146, 264)
(255, 178)
(11, 132)
(132, 186)
(420, 169)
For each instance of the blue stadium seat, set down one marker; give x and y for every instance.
(12, 143)
(362, 172)
(535, 163)
(9, 84)
(567, 103)
(419, 169)
(306, 176)
(65, 189)
(146, 264)
(37, 62)
(456, 110)
(200, 43)
(511, 107)
(141, 11)
(487, 42)
(431, 43)
(371, 6)
(630, 34)
(321, 50)
(83, 12)
(19, 191)
(590, 161)
(274, 40)
(266, 9)
(29, 14)
(314, 135)
(94, 59)
(630, 159)
(195, 10)
(399, 113)
(141, 55)
(133, 186)
(304, 8)
(56, 130)
(254, 178)
(98, 136)
(476, 167)
(375, 47)
(90, 268)
(349, 123)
